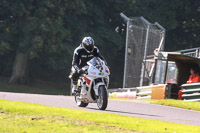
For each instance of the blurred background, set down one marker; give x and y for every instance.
(38, 37)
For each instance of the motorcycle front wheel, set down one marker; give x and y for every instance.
(102, 100)
(79, 102)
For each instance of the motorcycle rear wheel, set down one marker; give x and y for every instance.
(102, 100)
(80, 103)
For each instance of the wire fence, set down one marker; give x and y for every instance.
(141, 41)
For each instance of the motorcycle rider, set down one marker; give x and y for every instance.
(83, 53)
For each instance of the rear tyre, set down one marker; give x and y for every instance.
(102, 100)
(79, 102)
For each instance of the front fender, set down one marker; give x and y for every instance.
(97, 86)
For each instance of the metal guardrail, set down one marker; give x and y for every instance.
(191, 92)
(152, 92)
(144, 92)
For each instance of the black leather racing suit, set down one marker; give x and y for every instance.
(80, 59)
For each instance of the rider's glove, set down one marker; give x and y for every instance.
(80, 71)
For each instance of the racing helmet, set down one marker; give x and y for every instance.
(88, 44)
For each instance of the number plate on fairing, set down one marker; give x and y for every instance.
(101, 74)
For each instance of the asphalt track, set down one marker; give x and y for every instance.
(123, 107)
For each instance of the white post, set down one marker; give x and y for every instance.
(127, 20)
(144, 59)
(126, 54)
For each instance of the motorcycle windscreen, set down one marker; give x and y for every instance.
(95, 61)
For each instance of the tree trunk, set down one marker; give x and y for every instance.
(20, 69)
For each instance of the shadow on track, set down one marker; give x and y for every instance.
(122, 112)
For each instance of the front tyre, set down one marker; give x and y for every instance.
(79, 102)
(102, 100)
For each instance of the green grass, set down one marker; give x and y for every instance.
(47, 124)
(36, 87)
(179, 104)
(168, 102)
(22, 117)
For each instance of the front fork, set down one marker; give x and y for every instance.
(96, 86)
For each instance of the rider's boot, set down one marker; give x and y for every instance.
(83, 91)
(74, 88)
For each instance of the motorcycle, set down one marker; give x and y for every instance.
(93, 84)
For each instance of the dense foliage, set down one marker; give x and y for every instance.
(49, 30)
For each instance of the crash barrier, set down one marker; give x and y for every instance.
(151, 92)
(191, 92)
(158, 91)
(129, 93)
(144, 92)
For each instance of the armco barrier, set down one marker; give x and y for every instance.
(144, 92)
(151, 92)
(158, 91)
(191, 92)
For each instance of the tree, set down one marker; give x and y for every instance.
(186, 34)
(38, 37)
(33, 27)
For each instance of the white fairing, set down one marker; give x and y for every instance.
(95, 72)
(97, 75)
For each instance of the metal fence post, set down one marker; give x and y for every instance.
(145, 54)
(127, 20)
(166, 68)
(126, 55)
(154, 72)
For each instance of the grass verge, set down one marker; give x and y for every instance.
(27, 117)
(179, 104)
(168, 102)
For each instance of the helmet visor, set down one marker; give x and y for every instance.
(89, 47)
